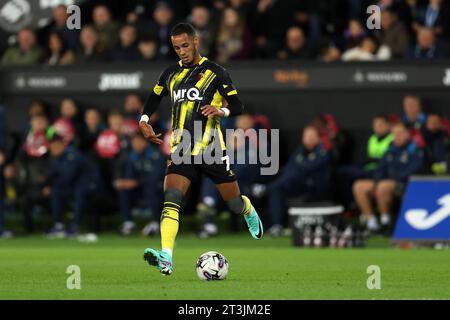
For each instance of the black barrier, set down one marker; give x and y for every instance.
(235, 309)
(277, 76)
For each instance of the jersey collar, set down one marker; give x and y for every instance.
(203, 59)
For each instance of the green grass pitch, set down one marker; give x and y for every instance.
(113, 268)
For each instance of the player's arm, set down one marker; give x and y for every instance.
(151, 105)
(228, 91)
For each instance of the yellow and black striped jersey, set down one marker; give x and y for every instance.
(190, 88)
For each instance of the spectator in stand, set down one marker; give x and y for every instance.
(426, 46)
(243, 7)
(93, 126)
(142, 181)
(36, 143)
(437, 145)
(111, 140)
(110, 156)
(329, 53)
(321, 17)
(132, 113)
(368, 50)
(69, 109)
(133, 106)
(58, 52)
(268, 21)
(297, 47)
(33, 169)
(207, 30)
(162, 24)
(401, 8)
(89, 49)
(70, 123)
(70, 179)
(127, 49)
(35, 108)
(70, 36)
(306, 174)
(435, 15)
(233, 40)
(377, 145)
(413, 117)
(106, 28)
(358, 8)
(28, 51)
(354, 34)
(393, 34)
(332, 138)
(403, 159)
(148, 48)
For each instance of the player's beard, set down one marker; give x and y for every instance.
(194, 55)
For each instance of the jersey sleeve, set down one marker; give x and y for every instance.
(225, 85)
(159, 91)
(227, 89)
(160, 87)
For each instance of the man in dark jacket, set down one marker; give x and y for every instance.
(306, 173)
(393, 33)
(72, 178)
(127, 49)
(437, 145)
(402, 160)
(143, 180)
(297, 47)
(427, 47)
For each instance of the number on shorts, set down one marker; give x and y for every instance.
(227, 161)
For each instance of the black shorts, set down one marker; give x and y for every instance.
(217, 172)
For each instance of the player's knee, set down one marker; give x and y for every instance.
(173, 195)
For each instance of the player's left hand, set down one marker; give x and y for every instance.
(211, 111)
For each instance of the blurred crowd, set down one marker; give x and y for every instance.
(321, 30)
(81, 164)
(88, 163)
(413, 143)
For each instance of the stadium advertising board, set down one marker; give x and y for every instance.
(425, 212)
(101, 78)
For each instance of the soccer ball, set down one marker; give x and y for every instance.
(212, 266)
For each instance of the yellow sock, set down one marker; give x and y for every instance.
(169, 225)
(247, 205)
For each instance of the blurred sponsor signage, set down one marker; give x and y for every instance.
(425, 212)
(251, 76)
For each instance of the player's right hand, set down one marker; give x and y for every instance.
(148, 133)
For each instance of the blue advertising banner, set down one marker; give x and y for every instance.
(425, 212)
